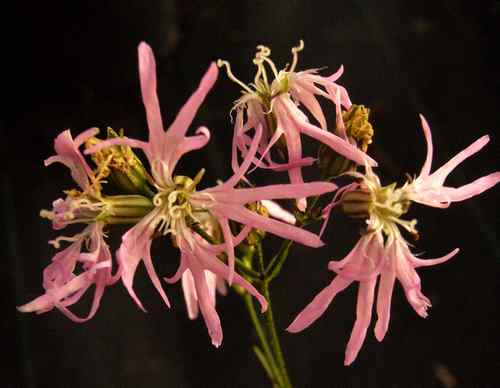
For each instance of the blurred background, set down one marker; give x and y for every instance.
(74, 65)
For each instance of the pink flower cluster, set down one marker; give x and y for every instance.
(271, 117)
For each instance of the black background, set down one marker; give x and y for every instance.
(74, 65)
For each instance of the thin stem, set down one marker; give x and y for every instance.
(275, 374)
(275, 342)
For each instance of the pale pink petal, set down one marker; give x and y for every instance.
(212, 263)
(207, 308)
(240, 172)
(69, 155)
(136, 246)
(147, 75)
(187, 113)
(439, 176)
(280, 191)
(334, 142)
(190, 297)
(426, 168)
(416, 262)
(384, 297)
(472, 189)
(247, 217)
(318, 305)
(124, 141)
(311, 103)
(410, 281)
(188, 144)
(364, 307)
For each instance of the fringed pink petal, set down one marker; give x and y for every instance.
(384, 297)
(125, 141)
(241, 214)
(187, 113)
(240, 172)
(416, 262)
(318, 305)
(207, 308)
(148, 263)
(334, 142)
(187, 144)
(147, 75)
(68, 154)
(426, 168)
(364, 307)
(219, 248)
(472, 189)
(438, 177)
(410, 281)
(311, 103)
(293, 142)
(47, 301)
(280, 191)
(212, 263)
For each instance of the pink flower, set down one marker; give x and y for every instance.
(213, 283)
(64, 285)
(369, 260)
(429, 189)
(178, 204)
(373, 258)
(275, 107)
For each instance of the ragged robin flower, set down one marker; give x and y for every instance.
(382, 252)
(274, 104)
(178, 202)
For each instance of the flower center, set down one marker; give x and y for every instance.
(382, 206)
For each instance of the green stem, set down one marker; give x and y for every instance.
(275, 342)
(273, 367)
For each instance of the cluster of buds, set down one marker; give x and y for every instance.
(206, 225)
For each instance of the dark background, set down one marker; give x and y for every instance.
(73, 65)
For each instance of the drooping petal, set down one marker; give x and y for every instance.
(207, 308)
(318, 305)
(136, 246)
(416, 262)
(384, 297)
(364, 307)
(410, 281)
(68, 154)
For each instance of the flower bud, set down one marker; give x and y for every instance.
(122, 165)
(357, 125)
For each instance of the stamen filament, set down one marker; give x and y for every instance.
(231, 76)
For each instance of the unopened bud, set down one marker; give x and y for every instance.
(122, 165)
(357, 125)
